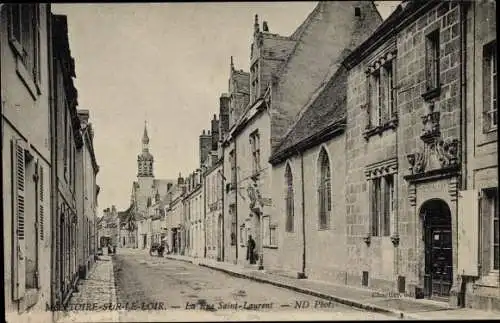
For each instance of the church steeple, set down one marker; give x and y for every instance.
(145, 138)
(145, 159)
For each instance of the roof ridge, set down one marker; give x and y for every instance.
(296, 36)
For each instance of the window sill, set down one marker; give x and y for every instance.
(270, 247)
(432, 93)
(379, 130)
(489, 280)
(488, 137)
(324, 229)
(26, 78)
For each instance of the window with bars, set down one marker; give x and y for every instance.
(324, 191)
(382, 205)
(255, 147)
(490, 104)
(24, 35)
(432, 60)
(289, 199)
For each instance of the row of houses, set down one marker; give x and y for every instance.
(49, 188)
(356, 151)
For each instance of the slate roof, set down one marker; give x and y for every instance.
(326, 107)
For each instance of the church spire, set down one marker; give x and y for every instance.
(145, 138)
(145, 159)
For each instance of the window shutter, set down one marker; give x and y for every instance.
(19, 244)
(468, 233)
(42, 206)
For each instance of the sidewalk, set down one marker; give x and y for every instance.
(91, 302)
(402, 307)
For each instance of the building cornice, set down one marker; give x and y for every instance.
(334, 129)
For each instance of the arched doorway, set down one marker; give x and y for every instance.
(437, 236)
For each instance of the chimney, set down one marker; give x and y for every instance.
(256, 24)
(180, 180)
(265, 27)
(223, 115)
(205, 146)
(215, 133)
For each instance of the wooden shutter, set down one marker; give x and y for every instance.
(19, 243)
(468, 233)
(41, 220)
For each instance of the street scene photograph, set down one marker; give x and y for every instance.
(250, 161)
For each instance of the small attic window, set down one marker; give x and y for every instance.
(357, 11)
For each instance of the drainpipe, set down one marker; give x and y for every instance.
(236, 201)
(55, 217)
(204, 225)
(222, 198)
(302, 274)
(462, 7)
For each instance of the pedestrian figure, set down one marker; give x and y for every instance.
(251, 250)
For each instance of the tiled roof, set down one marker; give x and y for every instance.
(326, 108)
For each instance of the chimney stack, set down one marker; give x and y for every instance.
(215, 133)
(223, 115)
(205, 146)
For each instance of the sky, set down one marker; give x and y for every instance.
(166, 63)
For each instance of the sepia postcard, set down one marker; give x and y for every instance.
(250, 161)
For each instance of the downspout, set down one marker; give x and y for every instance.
(302, 274)
(55, 271)
(463, 127)
(236, 200)
(222, 198)
(204, 214)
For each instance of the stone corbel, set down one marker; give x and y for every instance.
(367, 239)
(412, 194)
(395, 239)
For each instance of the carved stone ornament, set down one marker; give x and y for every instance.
(436, 152)
(440, 153)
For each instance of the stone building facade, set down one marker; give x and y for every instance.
(284, 73)
(26, 157)
(194, 225)
(413, 218)
(213, 183)
(87, 190)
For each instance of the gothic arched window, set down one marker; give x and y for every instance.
(289, 199)
(324, 190)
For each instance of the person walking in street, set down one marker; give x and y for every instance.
(251, 250)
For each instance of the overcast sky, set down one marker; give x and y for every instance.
(166, 63)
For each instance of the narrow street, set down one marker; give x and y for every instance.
(180, 290)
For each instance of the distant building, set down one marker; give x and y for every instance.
(108, 230)
(145, 191)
